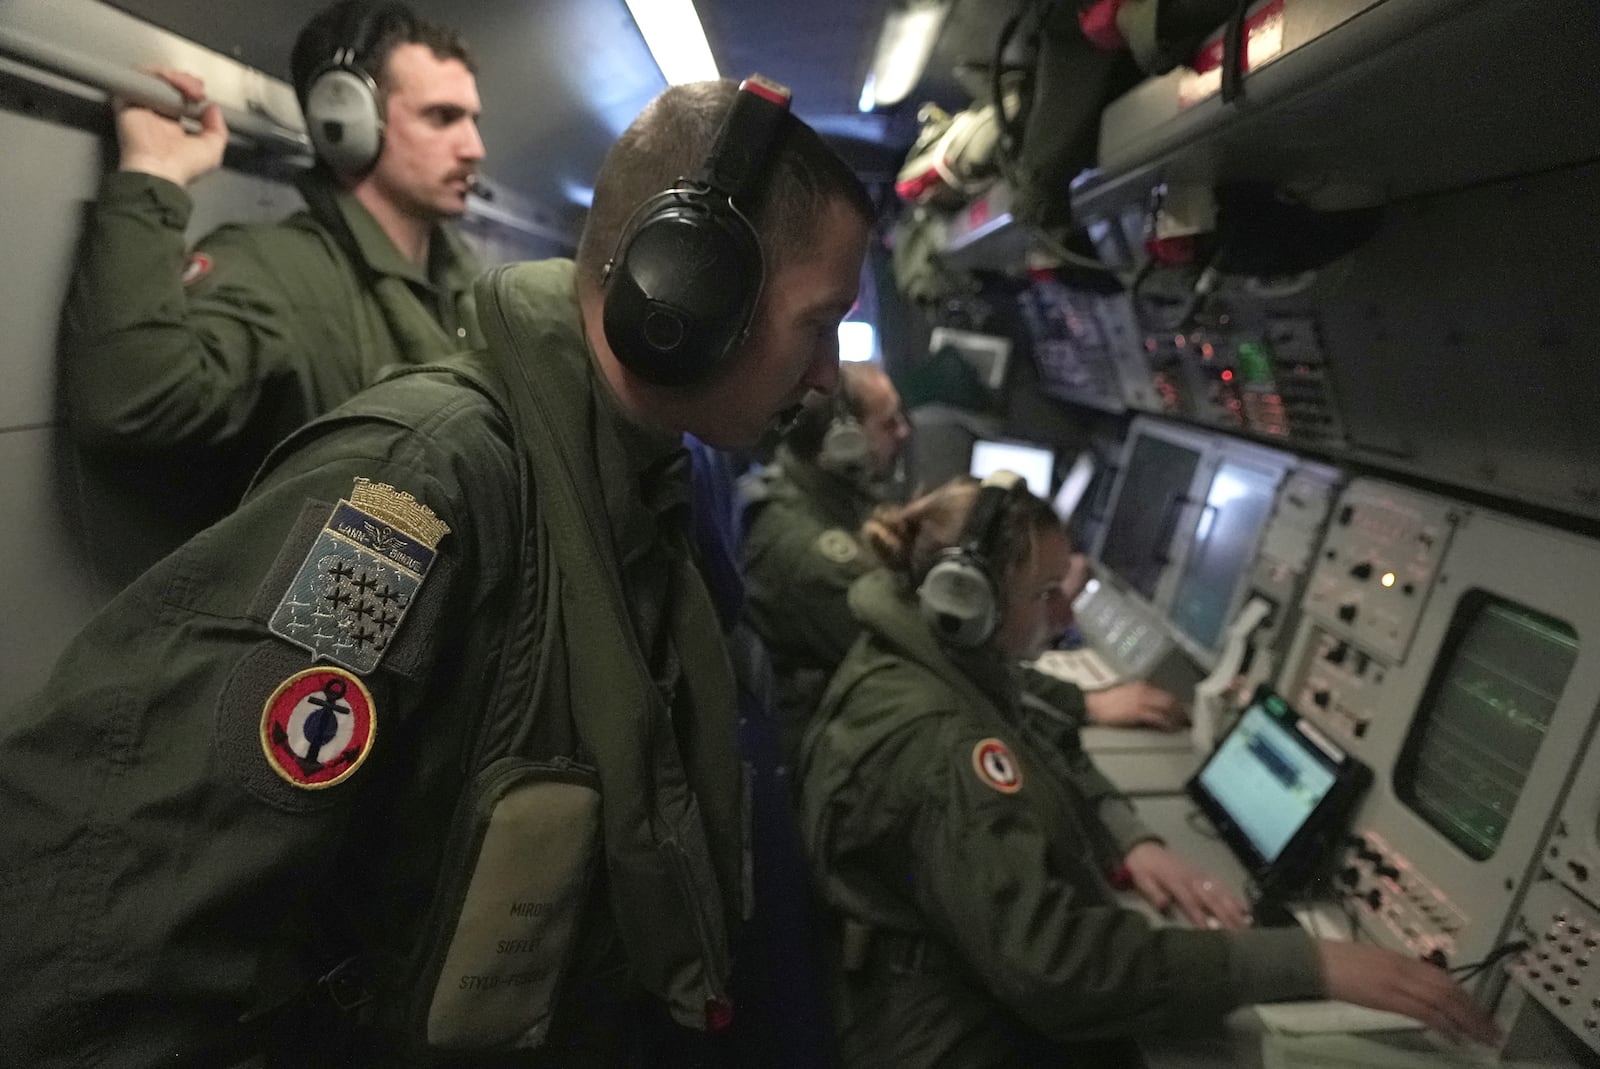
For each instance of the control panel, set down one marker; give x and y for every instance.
(1169, 383)
(1339, 686)
(1288, 544)
(1266, 376)
(1072, 344)
(1391, 894)
(1571, 854)
(1298, 361)
(1378, 564)
(1126, 633)
(1471, 695)
(1560, 969)
(1561, 916)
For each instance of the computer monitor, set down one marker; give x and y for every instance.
(1484, 714)
(1074, 486)
(1148, 507)
(1278, 791)
(1034, 463)
(1237, 507)
(986, 354)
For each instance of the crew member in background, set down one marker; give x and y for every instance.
(426, 754)
(969, 888)
(197, 365)
(803, 514)
(835, 464)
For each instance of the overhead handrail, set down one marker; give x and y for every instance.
(147, 90)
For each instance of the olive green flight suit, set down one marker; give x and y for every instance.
(976, 926)
(172, 871)
(801, 553)
(209, 362)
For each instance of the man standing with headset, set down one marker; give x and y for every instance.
(205, 363)
(426, 754)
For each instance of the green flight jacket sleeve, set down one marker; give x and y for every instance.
(797, 577)
(153, 362)
(1065, 698)
(1052, 713)
(1027, 913)
(154, 853)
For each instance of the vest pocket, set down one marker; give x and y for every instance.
(518, 870)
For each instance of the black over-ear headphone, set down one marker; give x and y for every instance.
(961, 594)
(343, 109)
(683, 285)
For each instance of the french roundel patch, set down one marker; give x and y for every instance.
(996, 767)
(318, 727)
(198, 267)
(838, 546)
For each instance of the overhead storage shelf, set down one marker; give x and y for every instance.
(1355, 102)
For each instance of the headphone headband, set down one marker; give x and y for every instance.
(744, 144)
(977, 534)
(369, 24)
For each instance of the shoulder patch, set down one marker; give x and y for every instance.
(838, 545)
(996, 767)
(198, 267)
(318, 727)
(360, 577)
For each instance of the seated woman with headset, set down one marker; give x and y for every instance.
(969, 889)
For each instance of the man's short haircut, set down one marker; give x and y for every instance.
(334, 28)
(672, 137)
(804, 439)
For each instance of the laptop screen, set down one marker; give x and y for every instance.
(1274, 781)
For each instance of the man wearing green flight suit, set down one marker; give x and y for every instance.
(202, 365)
(426, 754)
(802, 512)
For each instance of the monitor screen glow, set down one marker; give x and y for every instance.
(1138, 533)
(1237, 507)
(1268, 780)
(1034, 464)
(1073, 487)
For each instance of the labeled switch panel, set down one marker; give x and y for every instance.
(1378, 565)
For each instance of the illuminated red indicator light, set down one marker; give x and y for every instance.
(1227, 376)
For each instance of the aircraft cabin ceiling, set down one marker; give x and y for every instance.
(561, 78)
